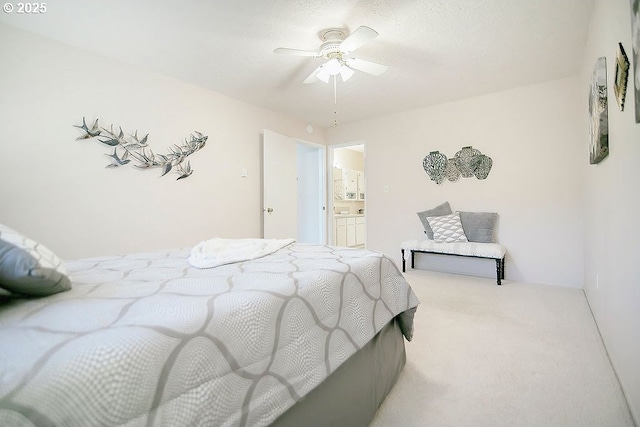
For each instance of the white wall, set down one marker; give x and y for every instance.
(534, 137)
(57, 190)
(346, 158)
(612, 252)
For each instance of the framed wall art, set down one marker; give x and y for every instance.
(635, 42)
(621, 76)
(599, 119)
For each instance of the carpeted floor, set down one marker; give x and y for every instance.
(511, 355)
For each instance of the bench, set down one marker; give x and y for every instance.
(493, 251)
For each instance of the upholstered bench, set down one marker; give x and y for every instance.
(468, 249)
(467, 234)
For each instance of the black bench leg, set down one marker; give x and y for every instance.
(413, 259)
(499, 270)
(404, 269)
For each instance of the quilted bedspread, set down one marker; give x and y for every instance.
(148, 340)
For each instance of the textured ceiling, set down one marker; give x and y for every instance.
(437, 50)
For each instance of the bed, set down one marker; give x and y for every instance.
(307, 335)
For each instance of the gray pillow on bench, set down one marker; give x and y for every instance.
(479, 226)
(440, 210)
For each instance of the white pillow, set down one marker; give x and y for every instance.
(447, 228)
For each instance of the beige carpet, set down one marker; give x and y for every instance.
(511, 355)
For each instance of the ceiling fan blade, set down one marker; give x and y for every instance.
(313, 76)
(366, 66)
(296, 52)
(359, 37)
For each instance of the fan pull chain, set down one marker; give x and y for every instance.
(335, 101)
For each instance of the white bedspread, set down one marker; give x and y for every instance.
(146, 340)
(217, 251)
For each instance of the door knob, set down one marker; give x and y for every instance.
(269, 210)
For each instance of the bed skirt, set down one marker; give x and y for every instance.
(352, 394)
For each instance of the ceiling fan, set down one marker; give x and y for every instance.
(336, 49)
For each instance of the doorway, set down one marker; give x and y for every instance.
(347, 195)
(293, 190)
(310, 161)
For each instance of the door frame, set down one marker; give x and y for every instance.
(322, 168)
(330, 197)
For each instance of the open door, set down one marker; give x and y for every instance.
(279, 186)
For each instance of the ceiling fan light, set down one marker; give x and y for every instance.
(323, 74)
(333, 67)
(345, 73)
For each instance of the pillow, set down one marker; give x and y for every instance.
(447, 228)
(443, 209)
(28, 267)
(478, 226)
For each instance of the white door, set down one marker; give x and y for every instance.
(279, 186)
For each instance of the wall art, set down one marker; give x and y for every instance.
(463, 160)
(467, 162)
(128, 147)
(621, 76)
(635, 44)
(599, 129)
(452, 172)
(435, 165)
(481, 165)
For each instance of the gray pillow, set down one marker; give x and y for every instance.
(28, 267)
(479, 226)
(440, 210)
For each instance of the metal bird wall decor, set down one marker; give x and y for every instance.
(127, 147)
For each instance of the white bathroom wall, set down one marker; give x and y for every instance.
(346, 158)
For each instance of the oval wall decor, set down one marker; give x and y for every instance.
(463, 160)
(435, 165)
(453, 173)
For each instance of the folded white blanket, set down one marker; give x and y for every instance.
(217, 251)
